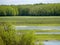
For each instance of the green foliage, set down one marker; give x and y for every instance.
(30, 10)
(27, 38)
(9, 36)
(23, 11)
(1, 41)
(8, 11)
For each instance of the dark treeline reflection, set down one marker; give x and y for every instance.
(30, 10)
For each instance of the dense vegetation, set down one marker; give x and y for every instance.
(9, 36)
(30, 10)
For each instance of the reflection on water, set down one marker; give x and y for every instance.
(47, 33)
(37, 27)
(55, 42)
(51, 42)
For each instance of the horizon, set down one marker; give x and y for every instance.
(25, 2)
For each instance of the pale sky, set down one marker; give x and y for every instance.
(27, 1)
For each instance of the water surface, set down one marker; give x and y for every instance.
(51, 42)
(37, 27)
(47, 33)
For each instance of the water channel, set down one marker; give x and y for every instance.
(37, 27)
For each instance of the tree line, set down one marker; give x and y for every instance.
(30, 10)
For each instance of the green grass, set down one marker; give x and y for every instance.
(38, 30)
(33, 20)
(43, 37)
(47, 30)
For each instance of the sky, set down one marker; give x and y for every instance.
(16, 2)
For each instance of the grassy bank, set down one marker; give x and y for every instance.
(47, 37)
(33, 21)
(38, 30)
(43, 37)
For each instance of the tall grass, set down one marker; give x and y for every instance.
(8, 36)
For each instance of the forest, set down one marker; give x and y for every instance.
(30, 10)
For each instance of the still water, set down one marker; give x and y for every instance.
(51, 42)
(47, 33)
(37, 27)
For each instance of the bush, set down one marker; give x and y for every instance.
(27, 38)
(9, 36)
